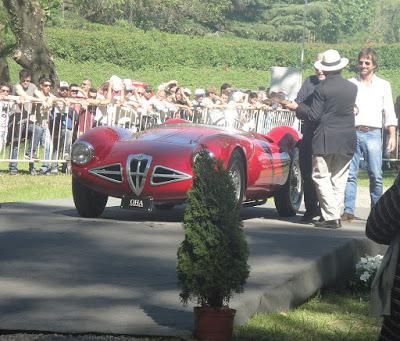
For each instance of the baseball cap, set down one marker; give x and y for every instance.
(199, 92)
(128, 84)
(64, 84)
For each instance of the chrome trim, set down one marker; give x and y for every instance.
(178, 176)
(137, 186)
(100, 171)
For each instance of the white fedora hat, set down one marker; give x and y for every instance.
(331, 61)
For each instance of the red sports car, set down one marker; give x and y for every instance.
(153, 168)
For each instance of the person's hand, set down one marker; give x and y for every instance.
(391, 144)
(290, 105)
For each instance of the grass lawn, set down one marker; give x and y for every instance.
(25, 187)
(329, 316)
(388, 178)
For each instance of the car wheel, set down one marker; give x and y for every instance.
(164, 206)
(236, 169)
(288, 198)
(89, 203)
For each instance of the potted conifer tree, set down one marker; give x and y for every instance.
(212, 259)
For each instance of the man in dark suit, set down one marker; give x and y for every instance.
(305, 95)
(334, 140)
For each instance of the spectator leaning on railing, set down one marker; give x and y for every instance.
(183, 104)
(23, 120)
(86, 86)
(42, 120)
(63, 120)
(5, 91)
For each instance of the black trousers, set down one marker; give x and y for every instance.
(310, 194)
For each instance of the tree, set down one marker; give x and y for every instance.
(386, 26)
(166, 15)
(212, 260)
(26, 19)
(4, 72)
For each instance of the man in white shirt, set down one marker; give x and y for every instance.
(374, 111)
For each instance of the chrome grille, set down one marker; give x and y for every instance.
(111, 172)
(163, 175)
(137, 167)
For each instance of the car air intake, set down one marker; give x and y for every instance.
(112, 172)
(137, 167)
(163, 175)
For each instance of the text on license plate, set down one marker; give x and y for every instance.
(143, 204)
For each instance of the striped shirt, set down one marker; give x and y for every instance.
(383, 224)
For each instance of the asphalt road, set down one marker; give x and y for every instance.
(116, 274)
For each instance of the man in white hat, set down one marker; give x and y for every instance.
(334, 140)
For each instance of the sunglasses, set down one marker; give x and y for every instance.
(366, 62)
(46, 85)
(5, 90)
(74, 91)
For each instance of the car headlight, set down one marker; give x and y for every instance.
(82, 152)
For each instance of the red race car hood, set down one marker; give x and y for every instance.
(185, 134)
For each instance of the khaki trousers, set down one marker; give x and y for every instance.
(330, 174)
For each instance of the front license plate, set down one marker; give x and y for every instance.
(134, 203)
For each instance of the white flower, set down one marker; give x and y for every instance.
(366, 269)
(365, 276)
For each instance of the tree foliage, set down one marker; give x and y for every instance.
(212, 259)
(283, 20)
(167, 15)
(386, 27)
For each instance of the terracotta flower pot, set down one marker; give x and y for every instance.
(213, 324)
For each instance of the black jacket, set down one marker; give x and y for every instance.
(305, 95)
(332, 110)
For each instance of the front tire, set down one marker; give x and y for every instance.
(288, 198)
(89, 203)
(237, 171)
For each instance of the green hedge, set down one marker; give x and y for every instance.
(135, 49)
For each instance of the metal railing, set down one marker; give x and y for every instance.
(30, 132)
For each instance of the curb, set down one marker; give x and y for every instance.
(330, 270)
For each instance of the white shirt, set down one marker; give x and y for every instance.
(373, 101)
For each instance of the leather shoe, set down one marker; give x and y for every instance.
(330, 224)
(309, 215)
(347, 217)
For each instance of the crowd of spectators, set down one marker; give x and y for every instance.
(54, 115)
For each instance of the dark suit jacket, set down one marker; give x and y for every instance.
(306, 95)
(332, 109)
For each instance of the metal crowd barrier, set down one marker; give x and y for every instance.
(30, 132)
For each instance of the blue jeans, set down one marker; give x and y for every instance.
(369, 145)
(37, 134)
